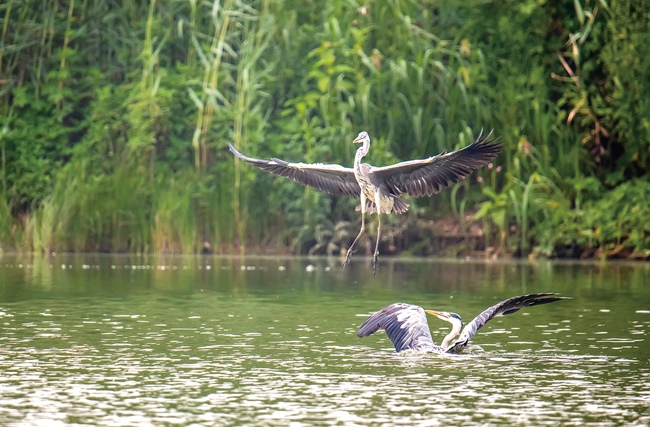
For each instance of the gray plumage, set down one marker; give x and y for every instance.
(332, 179)
(380, 187)
(406, 325)
(417, 178)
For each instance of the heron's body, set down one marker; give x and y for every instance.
(381, 200)
(406, 324)
(379, 196)
(379, 188)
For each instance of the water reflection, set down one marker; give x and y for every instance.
(172, 342)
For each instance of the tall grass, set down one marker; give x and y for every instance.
(115, 120)
(251, 104)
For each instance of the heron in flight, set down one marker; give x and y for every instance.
(406, 324)
(380, 187)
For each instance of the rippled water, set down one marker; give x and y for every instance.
(119, 341)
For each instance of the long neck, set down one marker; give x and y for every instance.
(361, 153)
(455, 331)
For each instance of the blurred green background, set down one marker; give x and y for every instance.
(115, 119)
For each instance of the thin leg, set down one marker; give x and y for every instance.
(376, 255)
(378, 205)
(363, 227)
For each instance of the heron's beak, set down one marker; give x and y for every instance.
(358, 141)
(439, 314)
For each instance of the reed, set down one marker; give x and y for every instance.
(115, 119)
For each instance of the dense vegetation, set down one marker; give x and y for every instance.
(116, 116)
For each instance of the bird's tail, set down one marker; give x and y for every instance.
(399, 207)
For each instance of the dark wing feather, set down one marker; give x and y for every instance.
(405, 324)
(509, 306)
(333, 179)
(427, 177)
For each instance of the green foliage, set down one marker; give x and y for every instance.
(581, 135)
(624, 56)
(115, 119)
(616, 226)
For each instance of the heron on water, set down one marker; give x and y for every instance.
(380, 187)
(406, 324)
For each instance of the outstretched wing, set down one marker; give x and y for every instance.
(427, 177)
(508, 306)
(333, 179)
(405, 324)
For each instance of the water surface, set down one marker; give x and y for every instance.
(118, 341)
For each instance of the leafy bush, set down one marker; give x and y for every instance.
(115, 119)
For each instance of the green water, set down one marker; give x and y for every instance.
(124, 341)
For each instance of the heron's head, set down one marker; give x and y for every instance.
(362, 138)
(452, 318)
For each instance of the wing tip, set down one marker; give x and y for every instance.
(279, 161)
(238, 154)
(538, 299)
(489, 140)
(362, 334)
(551, 295)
